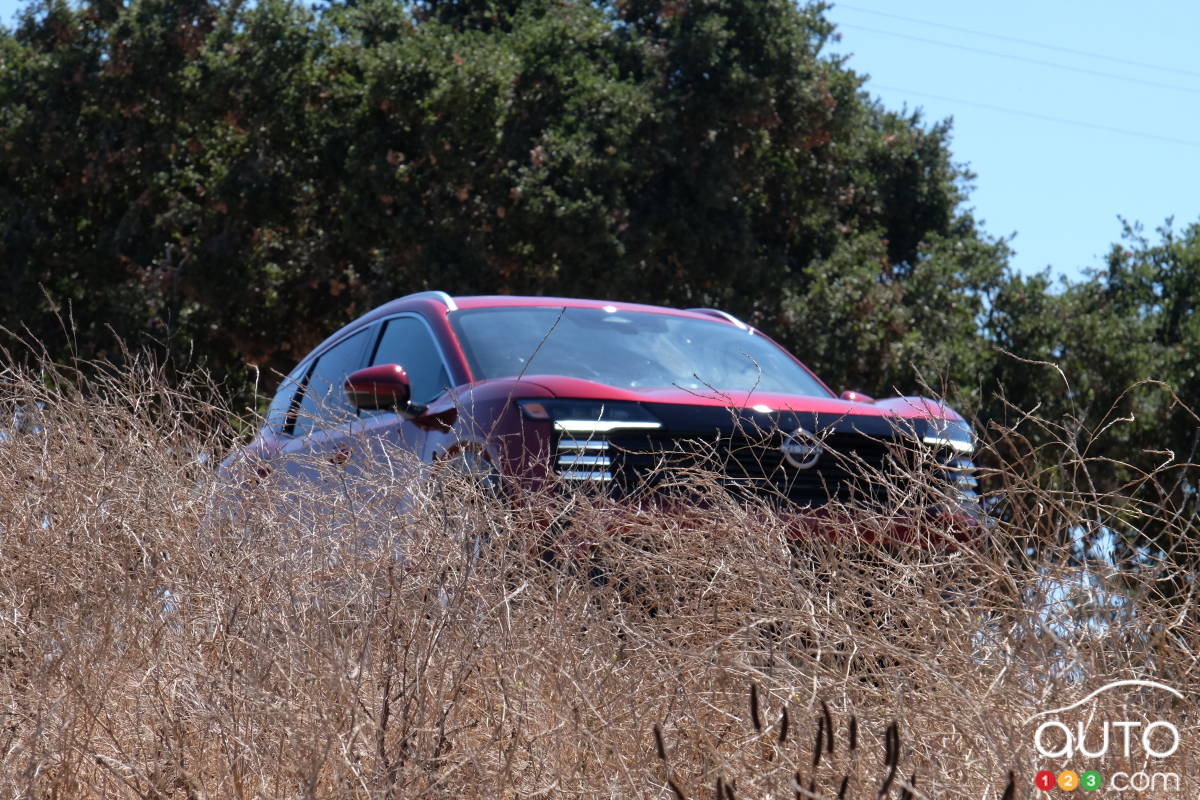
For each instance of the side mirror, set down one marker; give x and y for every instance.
(382, 387)
(857, 397)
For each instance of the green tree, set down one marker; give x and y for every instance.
(234, 181)
(1147, 329)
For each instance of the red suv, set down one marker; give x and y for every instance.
(607, 395)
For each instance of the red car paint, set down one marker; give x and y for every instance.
(473, 413)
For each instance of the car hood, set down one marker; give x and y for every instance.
(762, 402)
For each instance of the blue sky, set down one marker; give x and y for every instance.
(1062, 143)
(1071, 113)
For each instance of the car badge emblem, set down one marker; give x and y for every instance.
(801, 449)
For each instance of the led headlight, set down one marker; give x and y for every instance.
(950, 433)
(956, 444)
(582, 453)
(589, 416)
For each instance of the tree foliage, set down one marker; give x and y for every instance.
(231, 181)
(216, 174)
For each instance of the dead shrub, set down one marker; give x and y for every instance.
(385, 635)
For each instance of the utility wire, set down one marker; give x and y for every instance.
(1037, 61)
(1044, 117)
(1018, 40)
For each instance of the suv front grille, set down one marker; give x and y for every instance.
(584, 460)
(863, 460)
(849, 469)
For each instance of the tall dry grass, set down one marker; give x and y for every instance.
(163, 638)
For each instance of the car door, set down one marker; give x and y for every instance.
(318, 429)
(391, 445)
(360, 459)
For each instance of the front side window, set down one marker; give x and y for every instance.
(407, 342)
(323, 404)
(628, 349)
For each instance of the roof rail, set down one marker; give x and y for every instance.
(435, 294)
(725, 315)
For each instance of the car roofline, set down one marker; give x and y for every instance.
(451, 304)
(532, 301)
(719, 314)
(435, 303)
(434, 294)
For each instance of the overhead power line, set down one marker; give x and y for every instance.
(1018, 40)
(1043, 117)
(1037, 61)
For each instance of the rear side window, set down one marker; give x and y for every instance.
(407, 341)
(323, 404)
(281, 413)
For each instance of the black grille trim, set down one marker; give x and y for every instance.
(860, 462)
(753, 467)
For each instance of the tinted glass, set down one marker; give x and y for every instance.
(279, 415)
(323, 404)
(407, 342)
(627, 349)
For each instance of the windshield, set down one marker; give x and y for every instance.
(627, 349)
